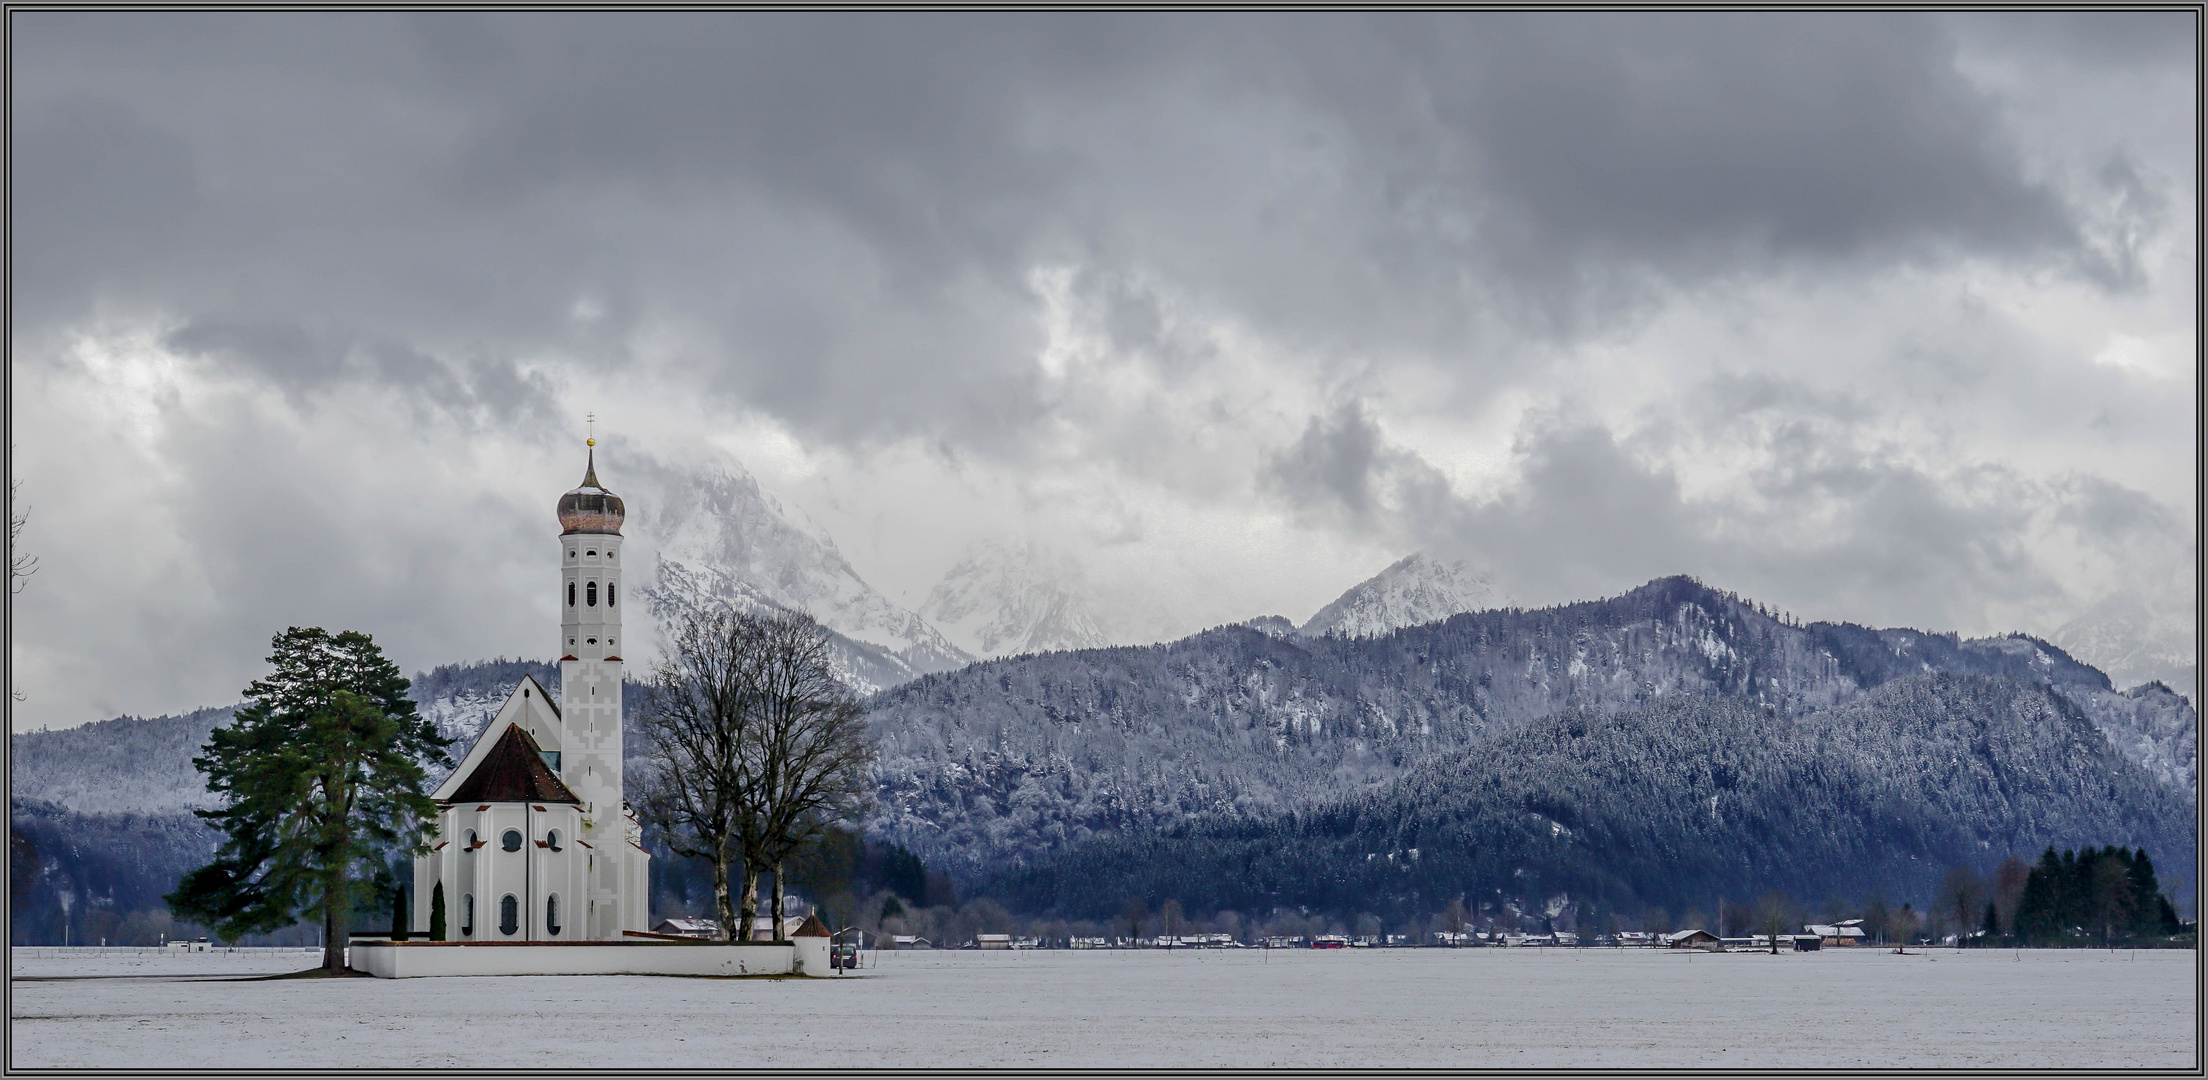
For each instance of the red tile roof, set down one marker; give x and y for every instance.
(514, 771)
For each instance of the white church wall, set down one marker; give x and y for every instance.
(533, 875)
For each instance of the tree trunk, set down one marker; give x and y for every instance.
(334, 933)
(778, 900)
(724, 907)
(751, 903)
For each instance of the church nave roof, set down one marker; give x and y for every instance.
(514, 771)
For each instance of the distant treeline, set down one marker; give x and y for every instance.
(2090, 897)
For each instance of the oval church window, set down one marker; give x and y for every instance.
(511, 840)
(552, 839)
(509, 914)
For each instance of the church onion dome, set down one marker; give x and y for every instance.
(591, 508)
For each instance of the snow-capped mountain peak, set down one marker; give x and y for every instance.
(1009, 597)
(1415, 590)
(717, 535)
(2135, 640)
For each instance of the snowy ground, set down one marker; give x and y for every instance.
(1407, 1007)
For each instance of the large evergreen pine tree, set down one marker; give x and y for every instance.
(2039, 913)
(2146, 894)
(321, 771)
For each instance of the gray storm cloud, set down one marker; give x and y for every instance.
(1815, 527)
(843, 209)
(1869, 314)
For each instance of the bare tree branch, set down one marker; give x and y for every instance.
(21, 565)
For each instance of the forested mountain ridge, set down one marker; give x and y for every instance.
(133, 765)
(1006, 760)
(126, 765)
(1674, 803)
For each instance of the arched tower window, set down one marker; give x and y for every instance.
(590, 594)
(552, 915)
(509, 914)
(610, 586)
(571, 594)
(467, 915)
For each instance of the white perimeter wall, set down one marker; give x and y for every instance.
(398, 960)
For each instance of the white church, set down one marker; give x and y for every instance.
(534, 842)
(541, 861)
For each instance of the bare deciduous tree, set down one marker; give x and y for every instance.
(1771, 914)
(1963, 899)
(2008, 890)
(21, 564)
(698, 782)
(815, 750)
(1901, 926)
(754, 750)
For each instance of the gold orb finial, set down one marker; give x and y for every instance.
(590, 442)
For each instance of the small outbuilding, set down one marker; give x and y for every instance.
(1846, 933)
(1693, 939)
(697, 928)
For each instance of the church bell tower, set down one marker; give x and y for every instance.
(590, 703)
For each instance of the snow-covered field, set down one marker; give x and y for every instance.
(1423, 1007)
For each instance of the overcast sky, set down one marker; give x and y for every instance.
(1877, 317)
